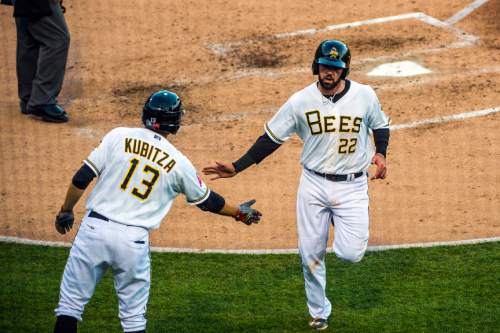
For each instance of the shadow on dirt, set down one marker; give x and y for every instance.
(270, 52)
(257, 53)
(131, 97)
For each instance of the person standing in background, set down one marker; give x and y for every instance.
(41, 55)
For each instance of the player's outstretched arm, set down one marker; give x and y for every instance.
(262, 148)
(244, 212)
(220, 170)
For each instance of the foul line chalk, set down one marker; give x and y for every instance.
(432, 244)
(465, 39)
(374, 248)
(445, 119)
(419, 123)
(466, 11)
(415, 15)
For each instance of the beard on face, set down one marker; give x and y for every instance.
(326, 85)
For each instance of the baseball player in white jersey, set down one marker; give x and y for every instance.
(139, 175)
(333, 117)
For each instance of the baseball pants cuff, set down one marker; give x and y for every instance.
(67, 312)
(137, 323)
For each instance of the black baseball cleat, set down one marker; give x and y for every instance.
(23, 106)
(318, 324)
(52, 113)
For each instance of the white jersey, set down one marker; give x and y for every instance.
(335, 135)
(139, 175)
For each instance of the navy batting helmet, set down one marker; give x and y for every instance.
(162, 112)
(333, 53)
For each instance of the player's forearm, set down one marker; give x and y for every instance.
(72, 196)
(262, 148)
(228, 210)
(79, 183)
(216, 204)
(243, 213)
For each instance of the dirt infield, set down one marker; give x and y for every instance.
(233, 69)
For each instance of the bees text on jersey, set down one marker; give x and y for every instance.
(335, 135)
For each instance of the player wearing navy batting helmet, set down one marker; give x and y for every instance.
(139, 174)
(333, 116)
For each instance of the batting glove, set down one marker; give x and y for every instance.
(248, 215)
(64, 221)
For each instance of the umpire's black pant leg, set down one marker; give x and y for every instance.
(51, 32)
(26, 59)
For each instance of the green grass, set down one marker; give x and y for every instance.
(442, 289)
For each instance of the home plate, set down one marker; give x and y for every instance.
(401, 68)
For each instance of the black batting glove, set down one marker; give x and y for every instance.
(64, 221)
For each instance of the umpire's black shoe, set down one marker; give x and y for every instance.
(24, 107)
(53, 113)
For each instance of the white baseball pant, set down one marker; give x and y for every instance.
(98, 245)
(319, 201)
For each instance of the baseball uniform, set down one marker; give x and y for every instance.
(333, 187)
(139, 175)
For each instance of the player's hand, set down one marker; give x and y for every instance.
(64, 221)
(220, 170)
(379, 161)
(247, 214)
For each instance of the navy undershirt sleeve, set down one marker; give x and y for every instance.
(381, 138)
(214, 203)
(262, 148)
(83, 177)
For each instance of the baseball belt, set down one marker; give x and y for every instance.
(339, 178)
(98, 216)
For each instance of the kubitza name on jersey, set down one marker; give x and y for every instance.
(151, 152)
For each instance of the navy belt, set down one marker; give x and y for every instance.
(98, 216)
(339, 178)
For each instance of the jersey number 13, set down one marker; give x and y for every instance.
(149, 181)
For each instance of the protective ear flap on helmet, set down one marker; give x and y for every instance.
(317, 54)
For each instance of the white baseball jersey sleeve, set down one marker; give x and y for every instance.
(139, 175)
(335, 135)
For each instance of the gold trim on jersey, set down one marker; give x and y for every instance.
(201, 199)
(272, 135)
(92, 166)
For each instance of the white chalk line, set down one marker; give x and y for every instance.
(374, 248)
(419, 123)
(465, 38)
(407, 16)
(466, 11)
(446, 119)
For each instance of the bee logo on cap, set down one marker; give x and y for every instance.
(334, 54)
